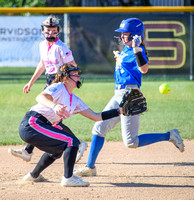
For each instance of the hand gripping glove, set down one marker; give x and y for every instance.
(133, 103)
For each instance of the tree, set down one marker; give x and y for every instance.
(23, 3)
(54, 3)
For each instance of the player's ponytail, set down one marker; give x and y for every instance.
(57, 79)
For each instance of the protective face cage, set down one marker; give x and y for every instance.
(67, 71)
(118, 39)
(52, 23)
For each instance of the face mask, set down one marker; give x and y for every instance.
(50, 39)
(118, 39)
(78, 83)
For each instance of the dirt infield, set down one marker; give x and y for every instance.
(157, 172)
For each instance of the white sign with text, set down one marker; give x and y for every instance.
(19, 40)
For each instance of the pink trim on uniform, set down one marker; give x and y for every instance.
(49, 133)
(57, 126)
(57, 39)
(70, 99)
(49, 46)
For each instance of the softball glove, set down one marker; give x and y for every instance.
(133, 103)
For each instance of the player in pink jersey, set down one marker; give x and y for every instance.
(55, 102)
(53, 53)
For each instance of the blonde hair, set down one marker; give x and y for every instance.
(62, 72)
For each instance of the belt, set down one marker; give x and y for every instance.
(120, 87)
(39, 116)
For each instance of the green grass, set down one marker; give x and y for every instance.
(23, 74)
(174, 110)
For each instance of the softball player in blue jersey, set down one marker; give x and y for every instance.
(131, 63)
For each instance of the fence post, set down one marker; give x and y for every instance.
(66, 29)
(191, 46)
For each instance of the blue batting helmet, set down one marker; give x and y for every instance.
(132, 25)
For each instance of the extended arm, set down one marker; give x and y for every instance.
(90, 114)
(39, 70)
(142, 63)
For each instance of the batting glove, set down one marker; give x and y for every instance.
(136, 43)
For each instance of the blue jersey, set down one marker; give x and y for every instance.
(126, 69)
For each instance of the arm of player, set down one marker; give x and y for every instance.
(144, 69)
(142, 64)
(90, 114)
(39, 70)
(47, 100)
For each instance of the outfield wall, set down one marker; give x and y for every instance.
(89, 33)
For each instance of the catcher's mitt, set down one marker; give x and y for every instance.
(133, 103)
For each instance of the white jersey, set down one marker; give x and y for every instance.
(60, 96)
(55, 55)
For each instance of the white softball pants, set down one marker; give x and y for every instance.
(129, 124)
